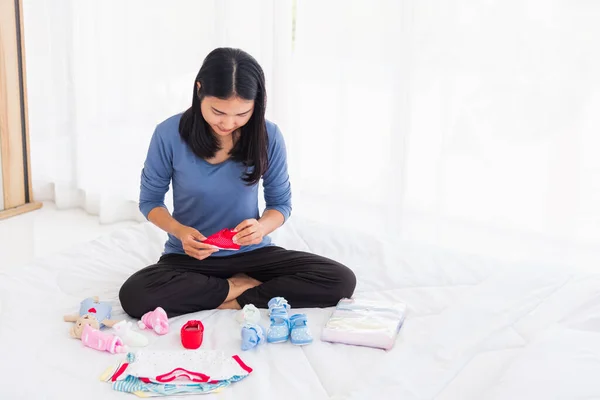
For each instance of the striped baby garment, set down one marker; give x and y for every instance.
(164, 373)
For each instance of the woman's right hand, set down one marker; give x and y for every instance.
(191, 240)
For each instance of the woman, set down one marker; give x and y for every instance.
(214, 154)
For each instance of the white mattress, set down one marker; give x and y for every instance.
(476, 329)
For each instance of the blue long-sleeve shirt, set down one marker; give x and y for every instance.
(210, 197)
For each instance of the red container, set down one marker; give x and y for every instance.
(191, 334)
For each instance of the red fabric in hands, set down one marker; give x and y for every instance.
(223, 240)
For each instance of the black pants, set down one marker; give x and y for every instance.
(182, 284)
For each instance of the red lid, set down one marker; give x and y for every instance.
(192, 333)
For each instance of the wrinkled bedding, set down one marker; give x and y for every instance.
(475, 329)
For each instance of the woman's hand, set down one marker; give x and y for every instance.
(249, 232)
(191, 240)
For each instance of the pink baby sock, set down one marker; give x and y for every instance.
(156, 320)
(98, 340)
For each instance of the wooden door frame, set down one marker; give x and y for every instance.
(14, 121)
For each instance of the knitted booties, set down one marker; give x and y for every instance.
(156, 320)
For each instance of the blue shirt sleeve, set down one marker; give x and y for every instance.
(276, 181)
(156, 174)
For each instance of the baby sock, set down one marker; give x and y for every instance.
(252, 332)
(102, 341)
(252, 336)
(249, 314)
(156, 320)
(124, 330)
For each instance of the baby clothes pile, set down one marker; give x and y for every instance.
(166, 373)
(365, 323)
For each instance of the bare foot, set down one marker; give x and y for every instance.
(238, 284)
(230, 305)
(244, 281)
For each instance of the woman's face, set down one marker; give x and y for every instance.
(225, 116)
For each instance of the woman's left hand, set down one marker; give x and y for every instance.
(249, 232)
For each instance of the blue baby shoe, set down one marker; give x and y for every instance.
(299, 335)
(252, 336)
(279, 331)
(278, 302)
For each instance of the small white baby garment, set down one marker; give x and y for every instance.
(184, 365)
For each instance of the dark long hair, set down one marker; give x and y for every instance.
(228, 72)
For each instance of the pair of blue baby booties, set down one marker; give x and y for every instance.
(283, 327)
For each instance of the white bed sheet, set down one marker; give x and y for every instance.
(476, 329)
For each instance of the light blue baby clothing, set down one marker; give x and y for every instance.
(100, 310)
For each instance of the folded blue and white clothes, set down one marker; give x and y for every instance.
(370, 323)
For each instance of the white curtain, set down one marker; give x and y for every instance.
(468, 124)
(102, 74)
(465, 123)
